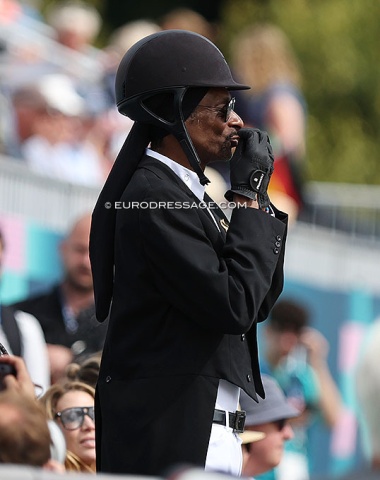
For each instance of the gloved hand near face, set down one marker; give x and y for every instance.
(251, 166)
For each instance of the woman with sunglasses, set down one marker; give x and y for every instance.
(71, 405)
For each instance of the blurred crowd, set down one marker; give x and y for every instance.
(57, 92)
(58, 116)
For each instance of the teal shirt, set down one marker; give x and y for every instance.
(299, 383)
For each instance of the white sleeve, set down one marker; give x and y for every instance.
(35, 353)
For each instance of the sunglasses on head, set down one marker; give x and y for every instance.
(73, 418)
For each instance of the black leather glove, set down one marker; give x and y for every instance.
(251, 166)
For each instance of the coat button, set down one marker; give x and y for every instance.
(249, 378)
(278, 244)
(276, 251)
(243, 337)
(108, 379)
(278, 237)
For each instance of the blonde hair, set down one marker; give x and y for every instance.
(54, 393)
(50, 399)
(74, 464)
(262, 55)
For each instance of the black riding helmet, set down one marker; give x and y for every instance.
(160, 81)
(171, 62)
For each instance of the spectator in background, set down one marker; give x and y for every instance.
(367, 389)
(60, 144)
(24, 109)
(296, 356)
(86, 371)
(183, 18)
(367, 393)
(76, 24)
(66, 311)
(270, 417)
(116, 126)
(25, 436)
(24, 432)
(263, 57)
(71, 406)
(21, 334)
(63, 138)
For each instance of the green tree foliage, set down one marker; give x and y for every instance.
(338, 44)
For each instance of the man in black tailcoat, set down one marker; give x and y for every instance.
(182, 288)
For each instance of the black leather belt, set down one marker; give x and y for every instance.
(236, 420)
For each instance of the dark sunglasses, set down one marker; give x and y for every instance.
(224, 112)
(73, 418)
(281, 423)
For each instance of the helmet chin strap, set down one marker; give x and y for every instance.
(188, 148)
(178, 129)
(180, 132)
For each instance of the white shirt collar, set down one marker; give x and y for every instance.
(188, 177)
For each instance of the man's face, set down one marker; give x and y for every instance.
(214, 136)
(75, 256)
(267, 453)
(280, 344)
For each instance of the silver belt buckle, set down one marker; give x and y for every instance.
(239, 421)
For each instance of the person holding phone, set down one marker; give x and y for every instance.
(26, 436)
(187, 287)
(14, 374)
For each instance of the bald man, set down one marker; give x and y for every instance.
(66, 311)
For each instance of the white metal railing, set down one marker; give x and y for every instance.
(344, 195)
(353, 210)
(349, 208)
(50, 202)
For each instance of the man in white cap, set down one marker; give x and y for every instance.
(270, 418)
